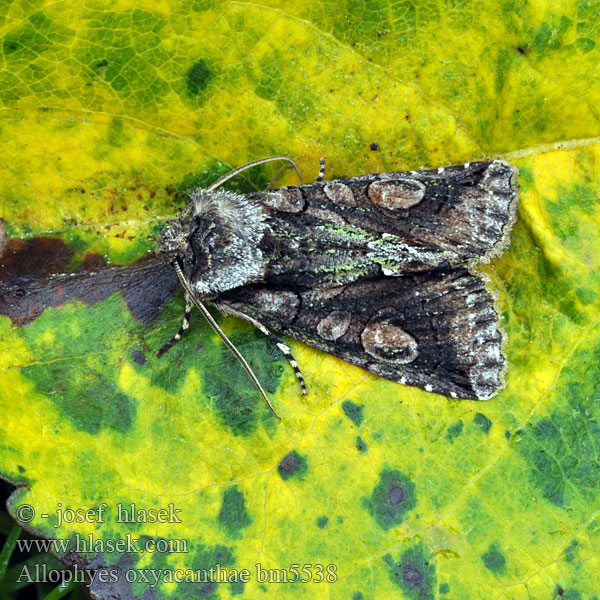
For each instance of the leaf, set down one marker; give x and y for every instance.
(110, 113)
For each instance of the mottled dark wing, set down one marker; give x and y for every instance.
(437, 330)
(389, 223)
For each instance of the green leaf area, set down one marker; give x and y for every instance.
(110, 111)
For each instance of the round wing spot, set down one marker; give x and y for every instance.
(384, 340)
(339, 193)
(397, 194)
(334, 325)
(282, 304)
(286, 199)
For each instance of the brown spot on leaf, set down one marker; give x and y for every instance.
(396, 495)
(138, 357)
(3, 238)
(36, 257)
(34, 275)
(94, 262)
(412, 575)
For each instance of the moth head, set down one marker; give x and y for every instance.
(217, 242)
(173, 240)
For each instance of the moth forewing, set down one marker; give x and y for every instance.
(376, 269)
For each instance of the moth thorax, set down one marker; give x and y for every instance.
(226, 232)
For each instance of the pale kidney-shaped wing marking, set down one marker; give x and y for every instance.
(397, 194)
(386, 341)
(334, 325)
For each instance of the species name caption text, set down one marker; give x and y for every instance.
(84, 544)
(303, 573)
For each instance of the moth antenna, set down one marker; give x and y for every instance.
(228, 342)
(239, 170)
(277, 176)
(249, 165)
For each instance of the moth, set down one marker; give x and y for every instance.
(378, 270)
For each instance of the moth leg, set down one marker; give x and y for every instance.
(283, 347)
(184, 326)
(321, 170)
